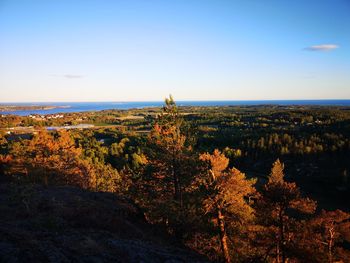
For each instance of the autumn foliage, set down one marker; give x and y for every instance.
(228, 193)
(198, 197)
(55, 159)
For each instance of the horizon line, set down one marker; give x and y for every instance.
(185, 100)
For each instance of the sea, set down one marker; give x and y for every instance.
(66, 107)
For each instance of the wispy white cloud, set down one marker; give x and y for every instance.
(67, 76)
(324, 47)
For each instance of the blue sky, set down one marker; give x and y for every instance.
(196, 50)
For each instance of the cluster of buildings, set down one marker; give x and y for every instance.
(46, 117)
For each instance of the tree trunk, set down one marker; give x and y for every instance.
(282, 239)
(330, 244)
(175, 177)
(180, 199)
(278, 253)
(223, 237)
(178, 226)
(176, 182)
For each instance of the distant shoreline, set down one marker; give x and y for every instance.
(46, 108)
(66, 103)
(14, 108)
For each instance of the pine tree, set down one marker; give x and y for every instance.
(324, 234)
(168, 136)
(226, 197)
(170, 166)
(278, 197)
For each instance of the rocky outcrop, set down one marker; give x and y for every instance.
(66, 224)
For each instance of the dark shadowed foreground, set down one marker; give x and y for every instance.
(66, 224)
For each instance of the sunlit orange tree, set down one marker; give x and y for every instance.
(54, 158)
(227, 199)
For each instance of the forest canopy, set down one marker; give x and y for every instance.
(236, 184)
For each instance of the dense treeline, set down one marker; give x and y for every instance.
(186, 175)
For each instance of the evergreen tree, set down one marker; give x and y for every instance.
(324, 235)
(228, 192)
(171, 168)
(278, 198)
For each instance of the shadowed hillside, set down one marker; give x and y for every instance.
(66, 224)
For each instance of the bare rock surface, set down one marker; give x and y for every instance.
(66, 224)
